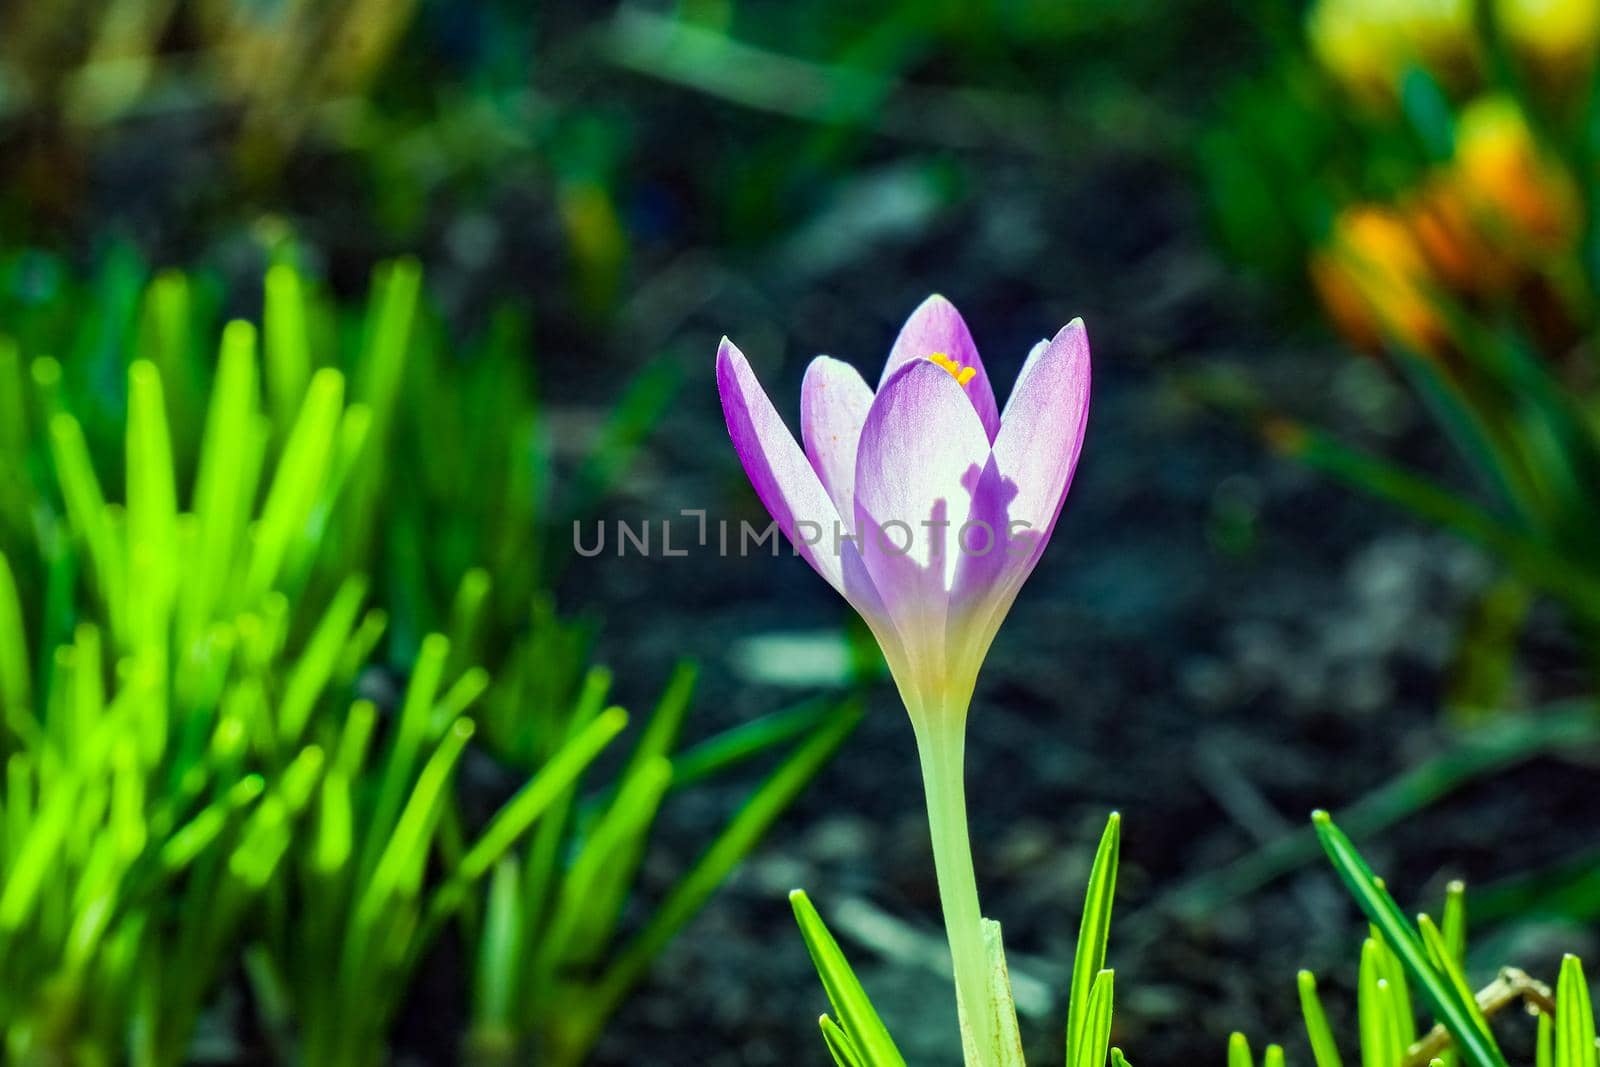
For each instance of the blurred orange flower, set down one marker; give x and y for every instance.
(1376, 282)
(1527, 205)
(1442, 220)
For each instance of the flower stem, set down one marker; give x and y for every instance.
(941, 745)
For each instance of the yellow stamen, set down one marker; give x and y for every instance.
(961, 374)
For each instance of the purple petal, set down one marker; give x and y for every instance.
(778, 470)
(921, 452)
(1020, 493)
(1041, 433)
(936, 326)
(834, 401)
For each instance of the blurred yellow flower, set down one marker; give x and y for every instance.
(1526, 204)
(1376, 283)
(1367, 45)
(1556, 37)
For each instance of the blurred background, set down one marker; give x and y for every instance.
(1332, 542)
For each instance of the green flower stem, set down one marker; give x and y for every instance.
(941, 744)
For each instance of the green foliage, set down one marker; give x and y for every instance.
(1432, 173)
(1085, 1042)
(205, 775)
(860, 1038)
(1432, 958)
(1449, 1002)
(552, 967)
(856, 1036)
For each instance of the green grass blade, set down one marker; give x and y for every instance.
(309, 676)
(662, 729)
(380, 369)
(351, 755)
(1381, 909)
(1399, 993)
(224, 483)
(410, 735)
(13, 400)
(196, 837)
(1239, 1051)
(735, 841)
(397, 876)
(1094, 1042)
(1574, 1026)
(840, 1047)
(469, 620)
(288, 342)
(1372, 1011)
(592, 892)
(1324, 1050)
(746, 741)
(16, 682)
(1439, 952)
(298, 481)
(502, 941)
(851, 1004)
(522, 810)
(36, 857)
(1454, 923)
(152, 508)
(91, 519)
(335, 834)
(1094, 930)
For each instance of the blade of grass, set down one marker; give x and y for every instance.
(288, 342)
(298, 481)
(309, 676)
(858, 1017)
(742, 743)
(741, 834)
(1380, 908)
(1095, 1038)
(152, 509)
(16, 683)
(1094, 929)
(1324, 1050)
(1380, 1038)
(840, 1047)
(1439, 953)
(1574, 1026)
(223, 491)
(90, 517)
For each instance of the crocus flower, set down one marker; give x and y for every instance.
(927, 507)
(924, 503)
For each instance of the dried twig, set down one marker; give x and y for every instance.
(1509, 986)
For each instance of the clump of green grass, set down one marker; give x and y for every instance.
(203, 593)
(1404, 963)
